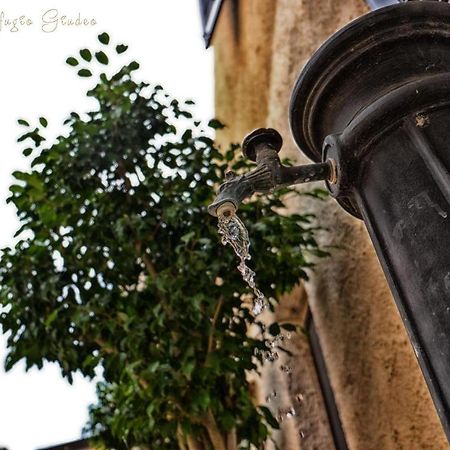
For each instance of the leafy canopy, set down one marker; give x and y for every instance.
(118, 265)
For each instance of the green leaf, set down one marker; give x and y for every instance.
(216, 124)
(121, 48)
(23, 122)
(19, 175)
(101, 57)
(27, 152)
(270, 419)
(153, 367)
(187, 369)
(133, 65)
(15, 188)
(51, 318)
(84, 73)
(86, 54)
(43, 121)
(72, 61)
(204, 400)
(187, 237)
(104, 38)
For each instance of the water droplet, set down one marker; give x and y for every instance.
(286, 413)
(258, 307)
(286, 369)
(290, 413)
(302, 434)
(270, 356)
(300, 398)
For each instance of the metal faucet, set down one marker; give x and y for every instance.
(262, 146)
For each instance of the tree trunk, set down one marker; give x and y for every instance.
(181, 439)
(214, 433)
(232, 440)
(193, 444)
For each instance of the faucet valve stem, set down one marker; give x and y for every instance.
(266, 136)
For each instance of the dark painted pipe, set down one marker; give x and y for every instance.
(375, 98)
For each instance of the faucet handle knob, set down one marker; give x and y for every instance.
(267, 136)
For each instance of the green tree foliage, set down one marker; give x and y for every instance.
(118, 265)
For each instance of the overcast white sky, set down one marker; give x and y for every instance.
(39, 408)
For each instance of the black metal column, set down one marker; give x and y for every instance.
(376, 99)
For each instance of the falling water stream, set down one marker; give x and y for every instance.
(234, 232)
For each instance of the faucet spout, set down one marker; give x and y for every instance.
(262, 146)
(237, 188)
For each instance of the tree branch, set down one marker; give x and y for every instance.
(214, 433)
(213, 326)
(232, 439)
(147, 262)
(108, 349)
(121, 170)
(181, 439)
(149, 266)
(192, 443)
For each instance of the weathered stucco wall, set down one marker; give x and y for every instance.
(242, 70)
(260, 47)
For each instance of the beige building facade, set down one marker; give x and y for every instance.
(382, 400)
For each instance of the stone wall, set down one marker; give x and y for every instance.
(260, 47)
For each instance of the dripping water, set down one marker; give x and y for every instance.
(234, 232)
